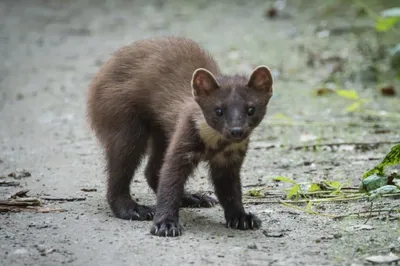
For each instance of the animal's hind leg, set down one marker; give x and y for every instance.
(197, 200)
(157, 149)
(125, 151)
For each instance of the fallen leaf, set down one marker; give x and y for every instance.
(271, 12)
(388, 91)
(324, 91)
(348, 94)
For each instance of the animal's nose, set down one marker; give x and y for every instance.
(236, 132)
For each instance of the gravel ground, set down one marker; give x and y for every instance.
(50, 50)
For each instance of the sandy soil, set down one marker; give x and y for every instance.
(49, 52)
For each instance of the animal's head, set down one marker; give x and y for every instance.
(233, 105)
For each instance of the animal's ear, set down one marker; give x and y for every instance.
(203, 82)
(261, 79)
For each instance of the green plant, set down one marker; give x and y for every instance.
(293, 191)
(392, 158)
(388, 19)
(376, 182)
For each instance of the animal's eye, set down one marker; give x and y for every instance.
(218, 112)
(251, 111)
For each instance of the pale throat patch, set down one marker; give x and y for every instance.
(208, 135)
(211, 138)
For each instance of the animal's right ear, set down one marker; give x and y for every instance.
(203, 82)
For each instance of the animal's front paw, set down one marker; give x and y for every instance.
(243, 221)
(167, 227)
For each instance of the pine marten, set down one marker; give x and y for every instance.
(166, 97)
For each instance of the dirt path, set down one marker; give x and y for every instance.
(50, 50)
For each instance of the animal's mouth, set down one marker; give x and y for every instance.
(232, 139)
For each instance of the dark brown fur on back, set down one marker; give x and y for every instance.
(149, 79)
(167, 98)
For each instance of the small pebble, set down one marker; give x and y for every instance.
(252, 246)
(20, 251)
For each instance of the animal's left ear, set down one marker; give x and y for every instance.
(261, 80)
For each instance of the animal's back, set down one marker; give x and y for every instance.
(149, 79)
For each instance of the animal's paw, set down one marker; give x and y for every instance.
(198, 200)
(145, 212)
(243, 221)
(167, 227)
(127, 209)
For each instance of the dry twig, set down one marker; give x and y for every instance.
(331, 145)
(49, 198)
(4, 183)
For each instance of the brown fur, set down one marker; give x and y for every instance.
(160, 96)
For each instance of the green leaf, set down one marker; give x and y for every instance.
(373, 182)
(255, 193)
(356, 105)
(353, 107)
(391, 12)
(385, 24)
(314, 187)
(378, 170)
(309, 206)
(348, 94)
(294, 191)
(392, 158)
(284, 179)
